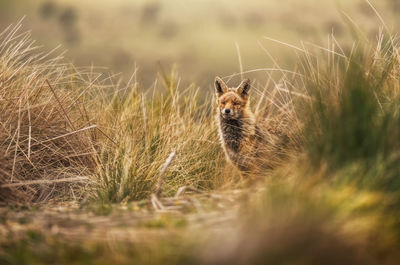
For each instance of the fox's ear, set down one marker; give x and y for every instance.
(243, 88)
(220, 86)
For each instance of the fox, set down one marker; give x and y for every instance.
(250, 144)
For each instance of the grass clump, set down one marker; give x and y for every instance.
(354, 118)
(44, 140)
(145, 130)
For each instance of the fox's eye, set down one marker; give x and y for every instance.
(223, 102)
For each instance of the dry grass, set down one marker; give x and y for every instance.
(44, 137)
(67, 132)
(146, 129)
(325, 207)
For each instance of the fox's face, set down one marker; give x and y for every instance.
(232, 102)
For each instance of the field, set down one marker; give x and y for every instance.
(102, 168)
(198, 37)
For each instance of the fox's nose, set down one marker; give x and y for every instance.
(226, 111)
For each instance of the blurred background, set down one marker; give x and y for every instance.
(199, 37)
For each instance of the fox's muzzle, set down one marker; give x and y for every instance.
(226, 111)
